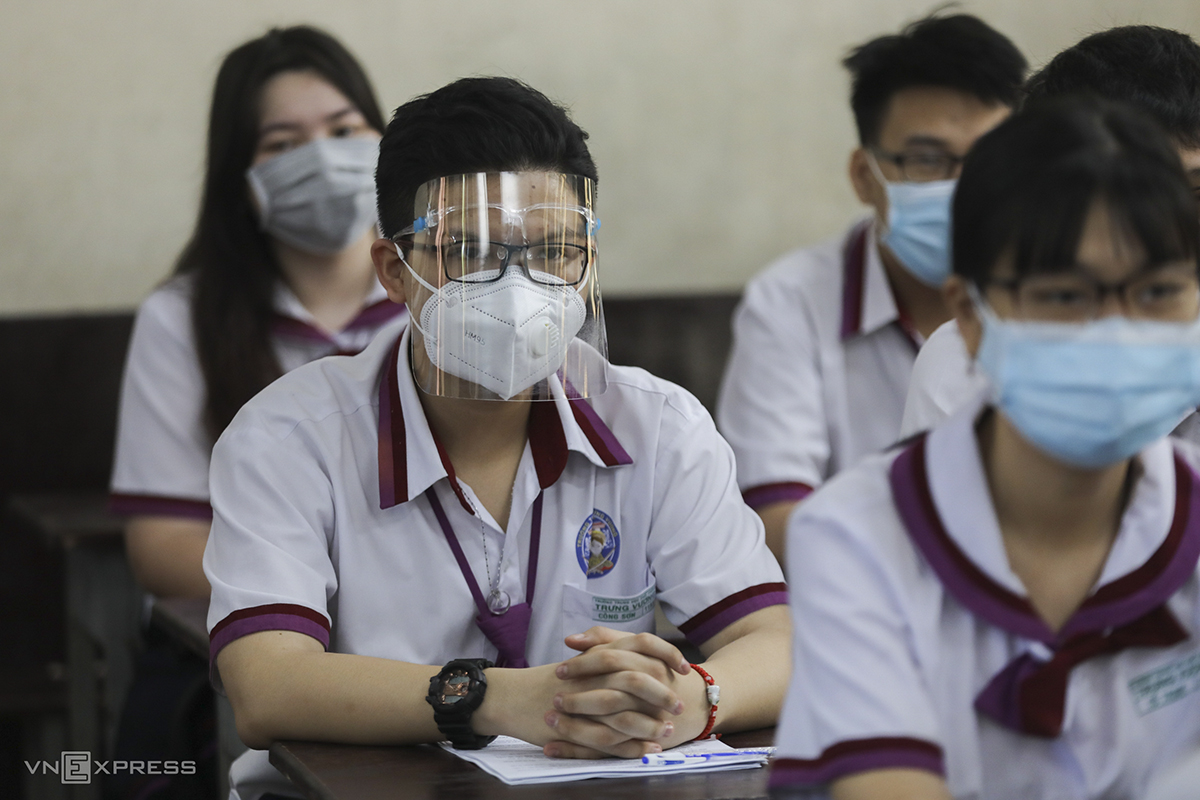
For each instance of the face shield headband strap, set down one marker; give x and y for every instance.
(430, 219)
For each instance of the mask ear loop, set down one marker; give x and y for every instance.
(980, 305)
(876, 171)
(885, 184)
(433, 291)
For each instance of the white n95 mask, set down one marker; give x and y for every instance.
(319, 197)
(505, 335)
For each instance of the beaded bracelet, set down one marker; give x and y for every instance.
(713, 693)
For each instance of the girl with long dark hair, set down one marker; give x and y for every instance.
(277, 273)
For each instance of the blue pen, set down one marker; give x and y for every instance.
(660, 759)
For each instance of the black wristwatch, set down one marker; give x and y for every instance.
(455, 693)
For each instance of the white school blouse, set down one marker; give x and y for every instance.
(916, 645)
(162, 449)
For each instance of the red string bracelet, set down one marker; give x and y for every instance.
(713, 693)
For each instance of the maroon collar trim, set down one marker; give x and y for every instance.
(393, 445)
(854, 269)
(547, 441)
(371, 316)
(598, 434)
(376, 314)
(1116, 603)
(854, 288)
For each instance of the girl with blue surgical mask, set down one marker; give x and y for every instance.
(1009, 605)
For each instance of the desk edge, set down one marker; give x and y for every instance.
(286, 762)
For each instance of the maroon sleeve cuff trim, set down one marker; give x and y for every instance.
(858, 755)
(720, 615)
(271, 617)
(761, 496)
(145, 505)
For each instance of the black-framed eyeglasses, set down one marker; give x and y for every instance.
(922, 166)
(551, 263)
(1169, 293)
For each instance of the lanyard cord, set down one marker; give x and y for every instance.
(465, 567)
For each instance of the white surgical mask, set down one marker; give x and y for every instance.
(505, 335)
(319, 197)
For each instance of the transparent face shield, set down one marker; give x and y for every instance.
(504, 295)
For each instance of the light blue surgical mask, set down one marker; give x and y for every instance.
(1091, 394)
(918, 225)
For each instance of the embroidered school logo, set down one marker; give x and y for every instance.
(598, 545)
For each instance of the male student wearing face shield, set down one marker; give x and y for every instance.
(462, 531)
(825, 338)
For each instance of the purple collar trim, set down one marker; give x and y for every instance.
(1119, 602)
(371, 316)
(598, 434)
(547, 439)
(376, 314)
(854, 271)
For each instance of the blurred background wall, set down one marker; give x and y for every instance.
(720, 127)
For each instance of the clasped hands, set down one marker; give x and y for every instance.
(625, 695)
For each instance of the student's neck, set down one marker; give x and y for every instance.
(332, 287)
(484, 440)
(922, 304)
(1058, 522)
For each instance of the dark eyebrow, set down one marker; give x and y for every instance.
(287, 126)
(921, 140)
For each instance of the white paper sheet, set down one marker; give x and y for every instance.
(516, 762)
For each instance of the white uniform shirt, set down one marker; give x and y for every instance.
(909, 610)
(163, 448)
(944, 378)
(321, 525)
(819, 368)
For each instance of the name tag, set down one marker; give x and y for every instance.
(623, 609)
(1166, 685)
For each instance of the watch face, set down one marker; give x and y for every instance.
(455, 687)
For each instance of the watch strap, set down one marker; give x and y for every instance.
(457, 729)
(454, 722)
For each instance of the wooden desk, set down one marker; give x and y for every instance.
(103, 609)
(184, 619)
(352, 772)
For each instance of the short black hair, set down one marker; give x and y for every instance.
(1027, 186)
(956, 52)
(489, 124)
(1154, 69)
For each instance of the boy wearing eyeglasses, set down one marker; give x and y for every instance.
(1157, 70)
(462, 532)
(825, 338)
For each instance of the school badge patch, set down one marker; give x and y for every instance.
(598, 545)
